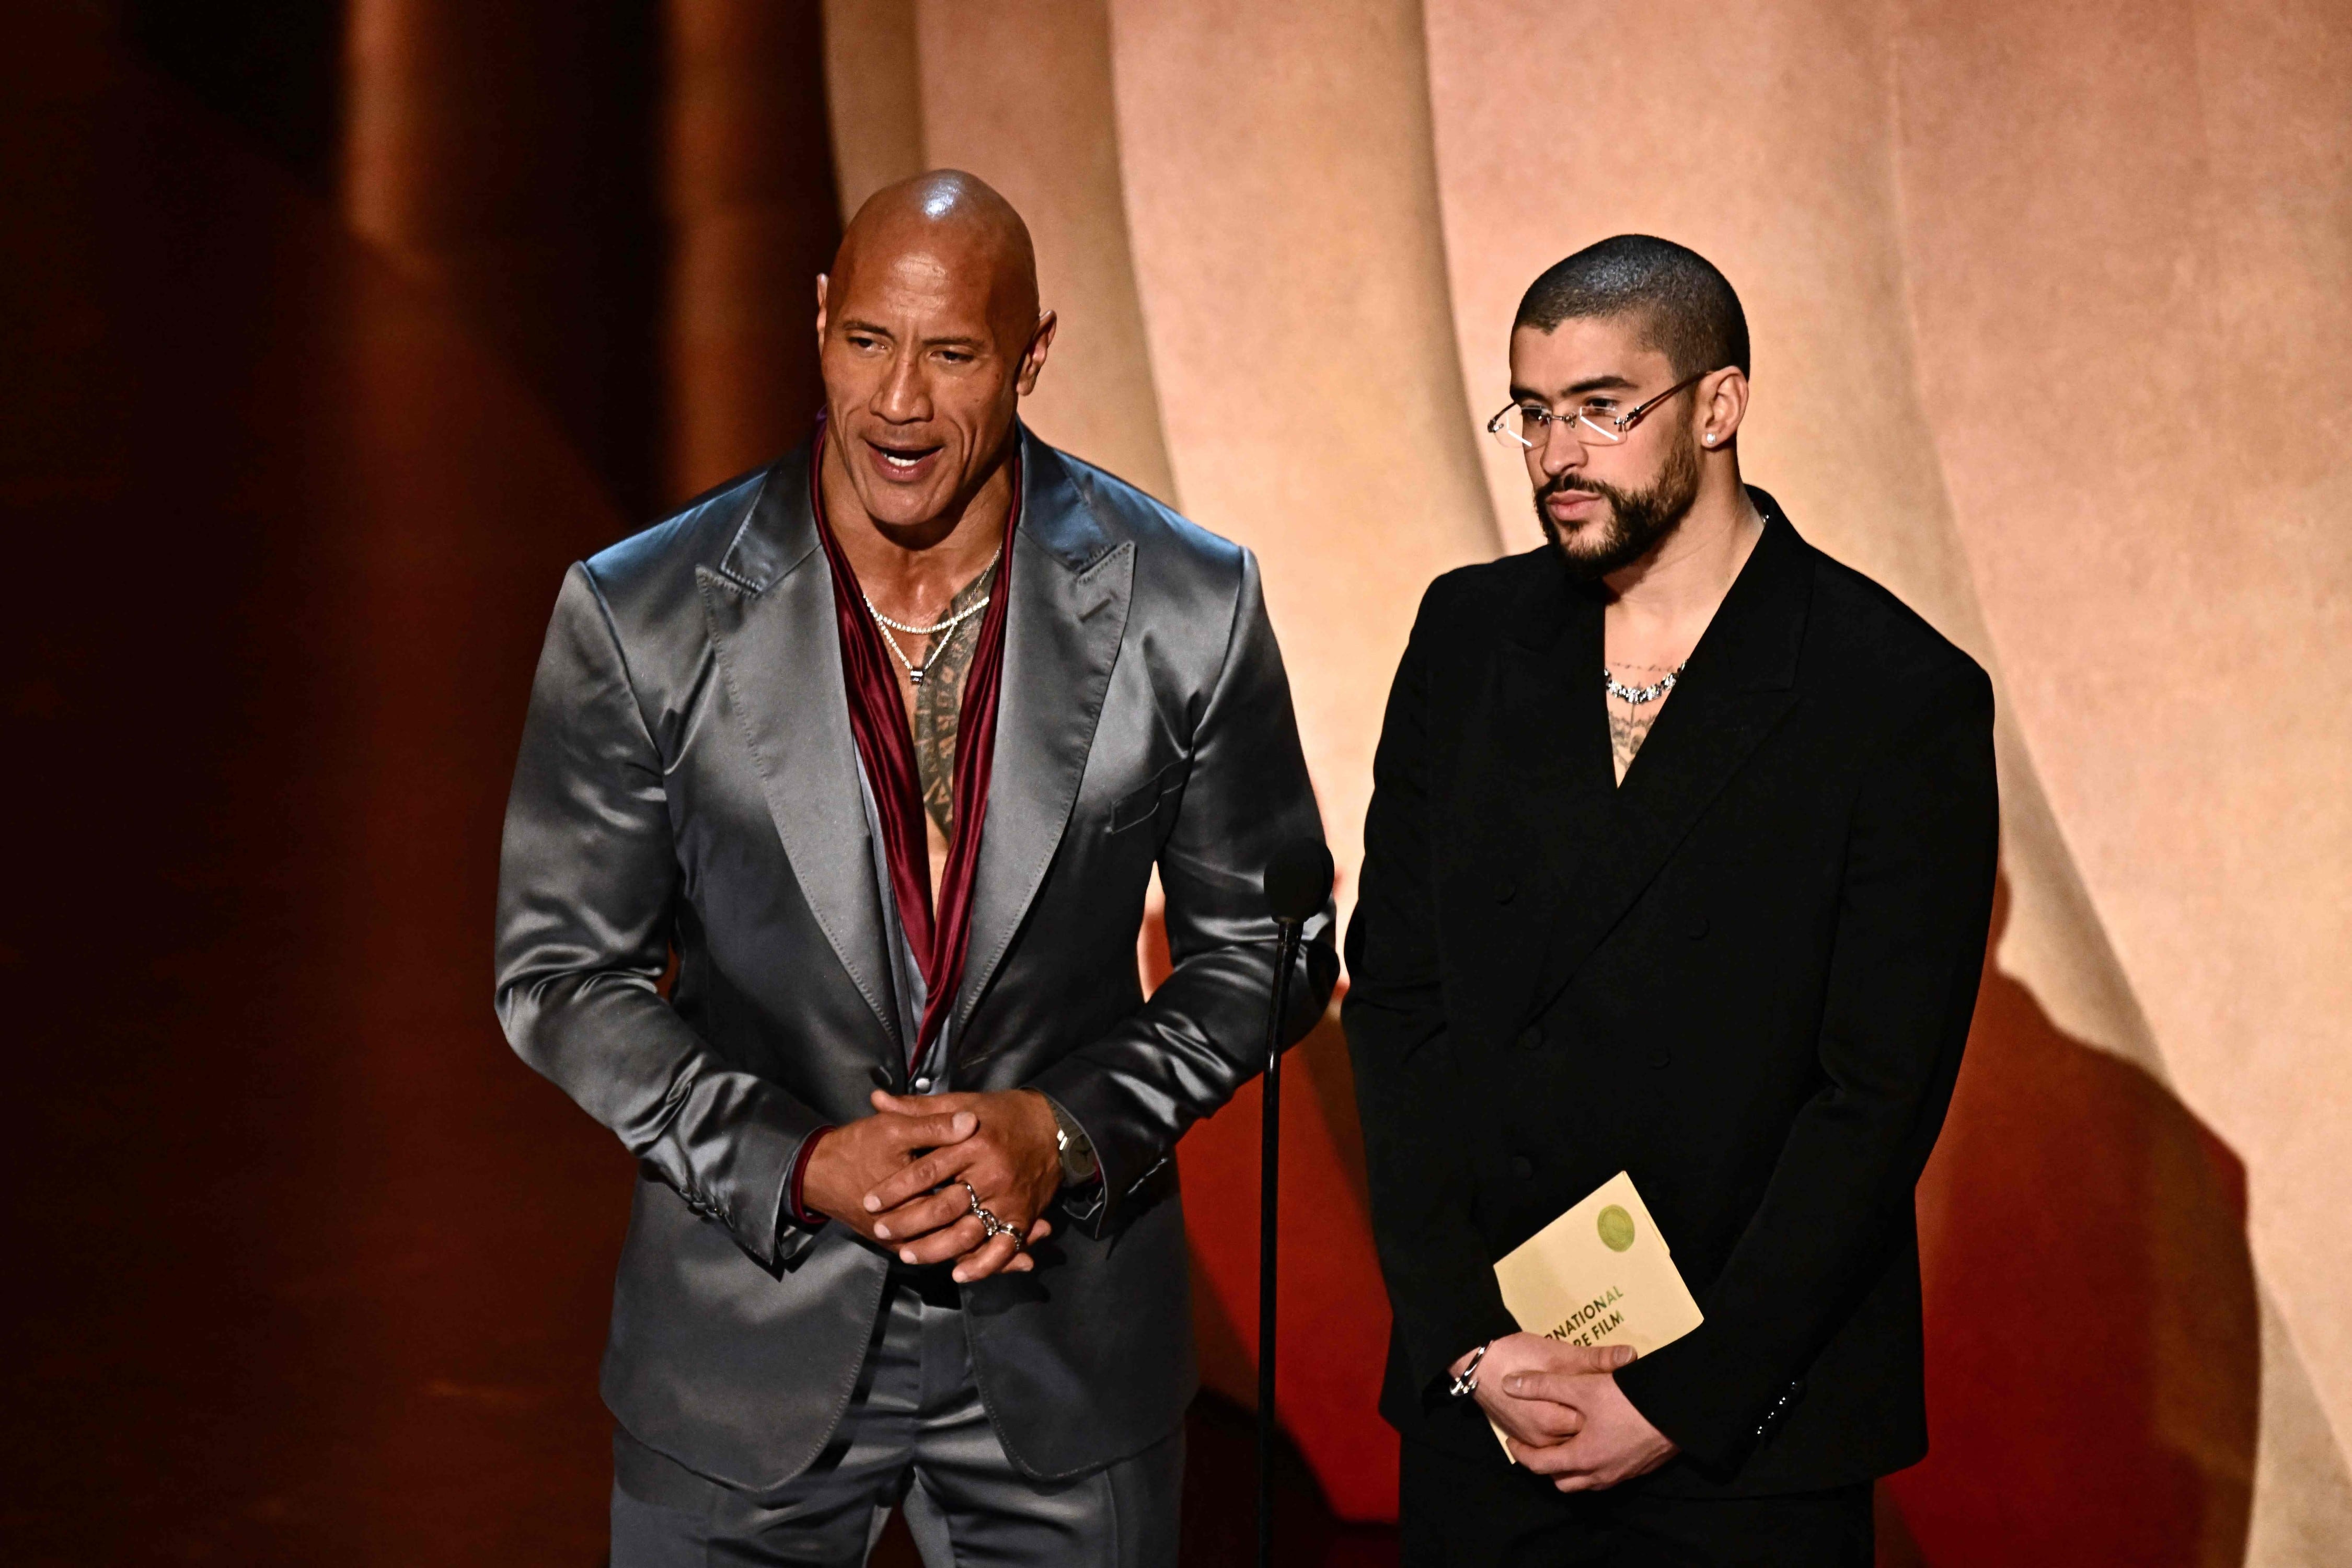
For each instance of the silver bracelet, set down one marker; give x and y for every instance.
(1466, 1384)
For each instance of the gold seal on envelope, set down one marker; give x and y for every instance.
(1599, 1275)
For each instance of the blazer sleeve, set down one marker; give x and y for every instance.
(1913, 913)
(588, 881)
(1202, 1035)
(1441, 1283)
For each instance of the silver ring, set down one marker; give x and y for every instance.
(989, 1225)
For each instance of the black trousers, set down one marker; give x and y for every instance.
(1458, 1514)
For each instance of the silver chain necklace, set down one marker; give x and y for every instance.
(1635, 696)
(915, 672)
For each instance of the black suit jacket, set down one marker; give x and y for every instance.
(1745, 976)
(688, 778)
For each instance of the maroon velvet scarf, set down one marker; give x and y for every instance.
(877, 719)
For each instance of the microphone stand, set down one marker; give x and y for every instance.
(1268, 1208)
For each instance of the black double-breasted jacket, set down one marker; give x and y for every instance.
(1745, 976)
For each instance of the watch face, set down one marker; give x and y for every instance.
(1078, 1155)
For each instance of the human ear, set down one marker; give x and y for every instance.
(1033, 358)
(1722, 403)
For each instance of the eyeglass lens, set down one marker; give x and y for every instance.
(1526, 425)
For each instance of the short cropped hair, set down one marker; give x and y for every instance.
(1686, 308)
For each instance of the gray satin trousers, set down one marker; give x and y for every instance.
(916, 1437)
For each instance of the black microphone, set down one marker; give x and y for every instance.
(1297, 882)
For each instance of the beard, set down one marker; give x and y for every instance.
(1636, 521)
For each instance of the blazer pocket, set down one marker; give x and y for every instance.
(1140, 806)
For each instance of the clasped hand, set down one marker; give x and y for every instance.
(898, 1177)
(1565, 1416)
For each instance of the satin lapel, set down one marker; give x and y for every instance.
(772, 620)
(1070, 592)
(1740, 683)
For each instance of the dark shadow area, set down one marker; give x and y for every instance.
(310, 1269)
(272, 68)
(511, 155)
(2093, 1350)
(525, 175)
(1220, 1501)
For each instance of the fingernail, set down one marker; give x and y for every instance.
(872, 1205)
(907, 1255)
(882, 1231)
(960, 1277)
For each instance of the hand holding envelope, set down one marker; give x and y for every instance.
(1611, 1441)
(1531, 1388)
(1593, 1290)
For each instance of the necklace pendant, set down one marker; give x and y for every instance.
(914, 678)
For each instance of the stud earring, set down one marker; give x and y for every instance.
(1710, 439)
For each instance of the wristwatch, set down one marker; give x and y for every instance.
(1079, 1165)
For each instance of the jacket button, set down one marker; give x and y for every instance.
(1505, 889)
(1522, 1167)
(1530, 1039)
(1661, 1057)
(1698, 927)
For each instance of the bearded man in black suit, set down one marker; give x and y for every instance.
(1679, 863)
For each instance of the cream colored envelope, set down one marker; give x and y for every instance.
(1599, 1275)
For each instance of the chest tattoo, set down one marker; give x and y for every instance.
(939, 703)
(1627, 730)
(1630, 723)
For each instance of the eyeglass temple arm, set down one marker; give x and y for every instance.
(1641, 409)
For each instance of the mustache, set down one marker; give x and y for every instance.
(1564, 484)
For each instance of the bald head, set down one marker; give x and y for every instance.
(956, 223)
(928, 336)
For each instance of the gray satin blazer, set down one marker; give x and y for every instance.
(687, 779)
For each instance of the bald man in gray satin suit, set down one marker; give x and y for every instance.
(884, 741)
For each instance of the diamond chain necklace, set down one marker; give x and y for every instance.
(1635, 696)
(915, 672)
